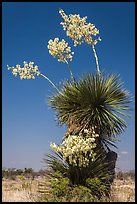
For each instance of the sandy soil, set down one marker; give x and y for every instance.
(26, 191)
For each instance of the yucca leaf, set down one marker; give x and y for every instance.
(93, 100)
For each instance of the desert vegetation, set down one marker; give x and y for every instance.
(17, 186)
(94, 108)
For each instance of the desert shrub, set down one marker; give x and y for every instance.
(60, 189)
(90, 183)
(12, 177)
(98, 187)
(21, 177)
(125, 175)
(19, 172)
(120, 175)
(59, 184)
(82, 194)
(26, 185)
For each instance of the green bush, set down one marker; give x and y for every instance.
(61, 190)
(97, 187)
(59, 185)
(82, 194)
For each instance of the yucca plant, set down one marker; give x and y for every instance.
(96, 177)
(94, 100)
(95, 105)
(78, 175)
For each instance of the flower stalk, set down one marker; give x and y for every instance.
(51, 83)
(96, 58)
(72, 77)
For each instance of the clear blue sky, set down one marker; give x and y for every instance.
(29, 124)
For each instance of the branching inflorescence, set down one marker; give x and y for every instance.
(78, 150)
(28, 71)
(80, 31)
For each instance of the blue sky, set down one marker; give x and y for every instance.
(29, 124)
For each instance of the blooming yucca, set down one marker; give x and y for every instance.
(60, 49)
(28, 71)
(78, 29)
(78, 150)
(92, 108)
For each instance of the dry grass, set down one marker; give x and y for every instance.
(26, 190)
(20, 191)
(123, 191)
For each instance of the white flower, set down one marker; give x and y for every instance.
(93, 139)
(60, 50)
(78, 29)
(26, 72)
(14, 70)
(86, 131)
(75, 149)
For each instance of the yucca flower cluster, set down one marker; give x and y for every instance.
(28, 71)
(60, 49)
(78, 150)
(78, 29)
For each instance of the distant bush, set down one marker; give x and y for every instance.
(29, 173)
(125, 175)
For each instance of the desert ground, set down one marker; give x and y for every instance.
(27, 190)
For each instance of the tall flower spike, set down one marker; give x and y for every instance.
(62, 51)
(29, 71)
(80, 31)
